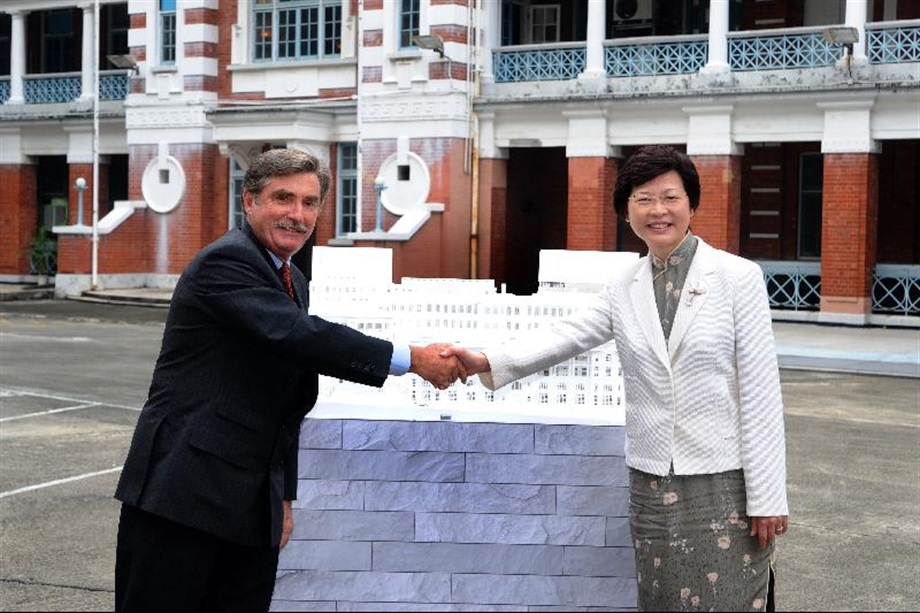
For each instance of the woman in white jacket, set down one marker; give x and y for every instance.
(705, 438)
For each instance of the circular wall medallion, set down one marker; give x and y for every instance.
(163, 185)
(407, 184)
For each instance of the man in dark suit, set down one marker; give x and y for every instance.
(207, 486)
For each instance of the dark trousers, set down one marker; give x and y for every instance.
(164, 566)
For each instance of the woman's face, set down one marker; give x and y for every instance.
(659, 213)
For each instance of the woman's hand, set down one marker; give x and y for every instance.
(474, 362)
(766, 528)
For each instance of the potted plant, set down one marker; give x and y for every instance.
(42, 250)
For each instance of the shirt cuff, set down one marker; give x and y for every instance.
(401, 360)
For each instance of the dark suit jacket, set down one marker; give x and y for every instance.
(215, 447)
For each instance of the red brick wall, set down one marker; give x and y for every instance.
(849, 231)
(717, 220)
(492, 214)
(442, 247)
(75, 252)
(18, 216)
(453, 188)
(226, 17)
(325, 223)
(207, 16)
(373, 153)
(591, 222)
(372, 38)
(135, 246)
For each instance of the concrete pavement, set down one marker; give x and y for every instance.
(74, 374)
(802, 346)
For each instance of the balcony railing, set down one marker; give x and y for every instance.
(793, 285)
(893, 42)
(66, 87)
(51, 88)
(782, 49)
(539, 63)
(639, 57)
(797, 286)
(896, 289)
(113, 86)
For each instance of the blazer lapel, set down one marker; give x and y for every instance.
(642, 297)
(693, 296)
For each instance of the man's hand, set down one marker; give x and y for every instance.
(474, 362)
(440, 371)
(287, 524)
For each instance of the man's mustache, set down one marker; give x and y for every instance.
(292, 227)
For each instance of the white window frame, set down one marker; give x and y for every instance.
(399, 25)
(162, 43)
(273, 12)
(543, 16)
(235, 190)
(344, 174)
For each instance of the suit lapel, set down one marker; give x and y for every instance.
(693, 296)
(301, 287)
(642, 298)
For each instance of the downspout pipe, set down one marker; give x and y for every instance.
(472, 91)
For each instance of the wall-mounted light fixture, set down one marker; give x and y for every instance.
(432, 42)
(126, 61)
(841, 35)
(845, 36)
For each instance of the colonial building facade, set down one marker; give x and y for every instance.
(467, 135)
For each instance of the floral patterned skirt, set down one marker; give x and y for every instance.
(694, 551)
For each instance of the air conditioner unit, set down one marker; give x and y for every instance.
(632, 11)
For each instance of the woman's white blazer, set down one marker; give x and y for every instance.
(708, 399)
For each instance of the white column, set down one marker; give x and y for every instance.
(597, 20)
(17, 56)
(492, 37)
(856, 11)
(718, 37)
(88, 62)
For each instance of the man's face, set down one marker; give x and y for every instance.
(284, 214)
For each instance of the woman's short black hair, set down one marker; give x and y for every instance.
(646, 164)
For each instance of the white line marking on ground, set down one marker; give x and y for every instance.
(39, 486)
(7, 392)
(38, 337)
(49, 412)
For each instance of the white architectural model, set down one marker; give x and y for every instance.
(585, 389)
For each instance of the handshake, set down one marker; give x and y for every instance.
(442, 363)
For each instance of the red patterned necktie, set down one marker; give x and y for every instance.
(286, 277)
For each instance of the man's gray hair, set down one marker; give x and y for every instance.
(282, 162)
